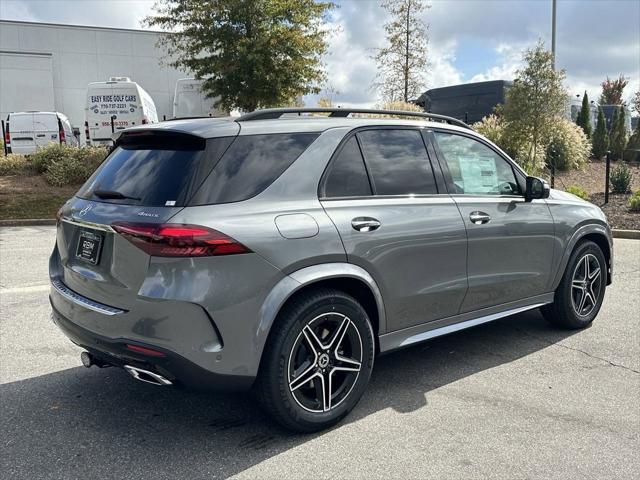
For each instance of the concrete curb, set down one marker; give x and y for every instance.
(39, 222)
(629, 234)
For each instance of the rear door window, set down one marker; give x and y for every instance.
(397, 162)
(347, 175)
(163, 171)
(250, 165)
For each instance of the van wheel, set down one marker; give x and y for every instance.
(317, 362)
(579, 296)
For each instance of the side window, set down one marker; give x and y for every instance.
(397, 161)
(250, 165)
(347, 175)
(476, 169)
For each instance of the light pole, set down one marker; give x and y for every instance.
(553, 31)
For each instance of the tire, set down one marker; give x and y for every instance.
(293, 375)
(576, 302)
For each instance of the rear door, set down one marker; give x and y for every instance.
(122, 102)
(22, 133)
(396, 222)
(46, 129)
(510, 239)
(156, 176)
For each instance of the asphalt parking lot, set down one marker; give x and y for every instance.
(512, 399)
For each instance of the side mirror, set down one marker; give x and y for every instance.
(536, 188)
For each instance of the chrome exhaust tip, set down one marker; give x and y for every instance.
(147, 376)
(87, 359)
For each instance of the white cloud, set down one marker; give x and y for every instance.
(99, 13)
(595, 38)
(442, 71)
(510, 60)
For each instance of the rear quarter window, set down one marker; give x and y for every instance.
(250, 165)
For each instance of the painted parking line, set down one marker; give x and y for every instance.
(29, 289)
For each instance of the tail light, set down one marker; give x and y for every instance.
(86, 131)
(7, 137)
(61, 135)
(178, 240)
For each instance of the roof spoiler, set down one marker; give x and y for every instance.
(275, 113)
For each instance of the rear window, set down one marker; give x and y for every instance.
(250, 165)
(155, 172)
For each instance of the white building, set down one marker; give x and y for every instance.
(47, 66)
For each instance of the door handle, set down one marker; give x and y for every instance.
(365, 224)
(479, 218)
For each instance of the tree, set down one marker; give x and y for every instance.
(636, 102)
(402, 62)
(600, 136)
(584, 116)
(614, 123)
(612, 91)
(619, 134)
(250, 53)
(533, 106)
(632, 151)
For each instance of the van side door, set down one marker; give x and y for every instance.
(395, 221)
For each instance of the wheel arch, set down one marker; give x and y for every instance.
(597, 233)
(346, 277)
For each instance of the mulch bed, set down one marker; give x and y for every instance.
(617, 210)
(591, 178)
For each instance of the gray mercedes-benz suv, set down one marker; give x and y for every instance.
(281, 251)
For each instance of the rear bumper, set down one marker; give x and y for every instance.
(180, 371)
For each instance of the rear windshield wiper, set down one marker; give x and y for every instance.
(113, 194)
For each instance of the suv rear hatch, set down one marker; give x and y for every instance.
(109, 230)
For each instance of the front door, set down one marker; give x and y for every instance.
(396, 225)
(510, 240)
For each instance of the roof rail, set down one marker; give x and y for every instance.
(274, 113)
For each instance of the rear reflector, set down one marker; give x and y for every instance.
(178, 240)
(145, 351)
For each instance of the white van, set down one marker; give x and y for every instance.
(26, 131)
(190, 101)
(118, 98)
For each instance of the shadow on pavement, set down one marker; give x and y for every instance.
(100, 423)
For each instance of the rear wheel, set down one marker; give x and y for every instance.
(579, 296)
(318, 361)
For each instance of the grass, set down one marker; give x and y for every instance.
(24, 197)
(31, 205)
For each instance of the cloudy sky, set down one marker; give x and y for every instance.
(470, 40)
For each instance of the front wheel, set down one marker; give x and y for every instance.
(318, 361)
(579, 296)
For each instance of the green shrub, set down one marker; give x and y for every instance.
(74, 166)
(621, 179)
(578, 192)
(569, 147)
(14, 164)
(632, 151)
(634, 202)
(520, 149)
(44, 157)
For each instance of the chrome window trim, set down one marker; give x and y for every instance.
(85, 224)
(436, 199)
